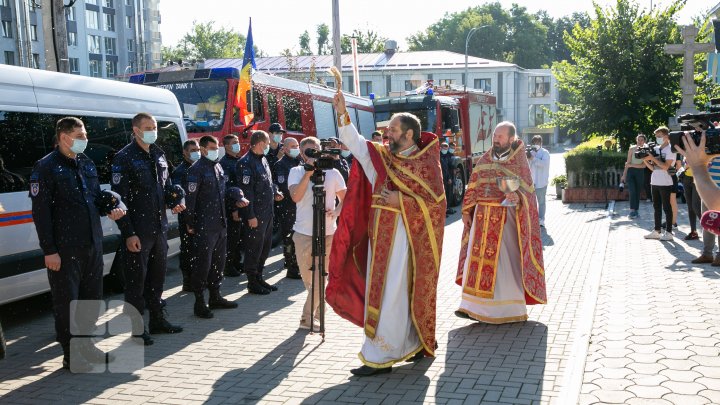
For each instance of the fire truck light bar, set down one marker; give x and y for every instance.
(186, 74)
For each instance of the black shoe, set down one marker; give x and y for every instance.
(367, 371)
(231, 271)
(254, 286)
(417, 357)
(293, 274)
(77, 365)
(461, 314)
(266, 285)
(221, 303)
(147, 339)
(163, 303)
(158, 324)
(202, 311)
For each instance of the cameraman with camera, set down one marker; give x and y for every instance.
(539, 159)
(634, 174)
(301, 192)
(660, 159)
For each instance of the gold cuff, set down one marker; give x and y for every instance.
(343, 119)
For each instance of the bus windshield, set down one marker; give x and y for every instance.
(424, 111)
(202, 103)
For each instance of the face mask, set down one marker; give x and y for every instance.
(195, 156)
(149, 137)
(536, 147)
(78, 145)
(266, 150)
(235, 148)
(345, 153)
(444, 151)
(659, 141)
(293, 153)
(213, 154)
(277, 138)
(451, 150)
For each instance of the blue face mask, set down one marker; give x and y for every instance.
(451, 150)
(79, 145)
(235, 148)
(277, 138)
(195, 156)
(213, 154)
(345, 153)
(293, 153)
(266, 150)
(149, 137)
(444, 151)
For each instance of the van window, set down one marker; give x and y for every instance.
(272, 108)
(169, 141)
(21, 146)
(106, 136)
(293, 117)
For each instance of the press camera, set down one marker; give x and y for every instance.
(647, 150)
(695, 124)
(324, 158)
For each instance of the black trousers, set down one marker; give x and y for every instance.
(286, 218)
(145, 273)
(79, 278)
(661, 202)
(257, 245)
(234, 243)
(208, 264)
(693, 201)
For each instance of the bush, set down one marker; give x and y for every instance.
(589, 167)
(560, 179)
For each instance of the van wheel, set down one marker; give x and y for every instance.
(458, 187)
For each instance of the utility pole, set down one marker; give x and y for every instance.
(56, 49)
(337, 56)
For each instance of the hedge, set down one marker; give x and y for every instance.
(588, 167)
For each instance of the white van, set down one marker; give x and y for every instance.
(31, 102)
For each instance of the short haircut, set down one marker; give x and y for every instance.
(259, 136)
(67, 125)
(288, 140)
(536, 139)
(229, 138)
(376, 133)
(190, 142)
(205, 140)
(309, 139)
(444, 144)
(641, 136)
(663, 129)
(139, 117)
(409, 121)
(510, 126)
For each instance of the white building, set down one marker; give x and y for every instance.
(522, 94)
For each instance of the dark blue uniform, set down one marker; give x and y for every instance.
(179, 177)
(285, 210)
(256, 183)
(342, 166)
(67, 222)
(234, 229)
(140, 178)
(447, 173)
(205, 214)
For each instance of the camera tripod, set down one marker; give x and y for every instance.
(318, 250)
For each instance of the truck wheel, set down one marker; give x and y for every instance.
(458, 187)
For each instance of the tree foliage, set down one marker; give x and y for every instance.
(323, 39)
(367, 42)
(304, 42)
(621, 82)
(205, 41)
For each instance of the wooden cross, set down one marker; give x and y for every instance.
(688, 49)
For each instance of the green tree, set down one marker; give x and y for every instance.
(304, 41)
(621, 82)
(204, 41)
(367, 42)
(323, 39)
(557, 29)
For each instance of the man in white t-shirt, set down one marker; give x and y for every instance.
(662, 184)
(301, 193)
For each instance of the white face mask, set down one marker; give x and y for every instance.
(149, 137)
(293, 153)
(277, 138)
(213, 154)
(659, 140)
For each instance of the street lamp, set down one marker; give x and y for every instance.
(467, 41)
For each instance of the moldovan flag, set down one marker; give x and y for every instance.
(245, 83)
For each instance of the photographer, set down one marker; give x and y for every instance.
(634, 175)
(661, 182)
(300, 186)
(539, 159)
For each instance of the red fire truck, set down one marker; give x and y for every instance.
(207, 98)
(466, 117)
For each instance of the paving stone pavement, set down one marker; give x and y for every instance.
(656, 333)
(255, 354)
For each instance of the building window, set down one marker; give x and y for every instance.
(95, 68)
(92, 19)
(483, 84)
(32, 4)
(7, 29)
(74, 65)
(109, 22)
(130, 45)
(70, 13)
(128, 2)
(94, 43)
(72, 38)
(411, 85)
(91, 2)
(109, 3)
(4, 3)
(330, 84)
(446, 82)
(538, 115)
(128, 21)
(110, 68)
(33, 32)
(539, 86)
(365, 88)
(36, 61)
(9, 58)
(110, 46)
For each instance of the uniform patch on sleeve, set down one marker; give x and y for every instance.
(116, 178)
(34, 189)
(192, 187)
(281, 179)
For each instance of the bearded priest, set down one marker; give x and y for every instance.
(501, 259)
(385, 258)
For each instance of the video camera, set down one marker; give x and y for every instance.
(647, 150)
(695, 124)
(324, 158)
(528, 150)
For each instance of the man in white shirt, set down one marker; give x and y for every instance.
(661, 183)
(300, 187)
(539, 159)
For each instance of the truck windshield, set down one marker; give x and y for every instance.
(425, 112)
(202, 103)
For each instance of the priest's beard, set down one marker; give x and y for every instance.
(500, 149)
(395, 147)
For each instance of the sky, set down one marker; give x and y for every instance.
(277, 24)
